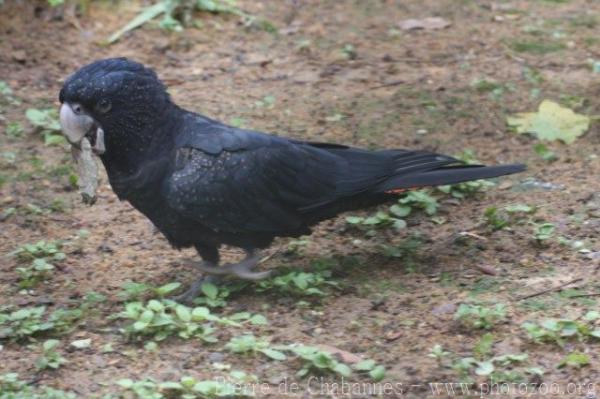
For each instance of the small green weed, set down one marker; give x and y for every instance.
(481, 317)
(315, 360)
(296, 247)
(31, 322)
(318, 361)
(50, 358)
(536, 47)
(349, 52)
(559, 330)
(255, 319)
(503, 218)
(407, 249)
(8, 160)
(214, 296)
(519, 208)
(371, 368)
(38, 258)
(532, 76)
(161, 319)
(575, 360)
(584, 20)
(299, 283)
(466, 189)
(187, 388)
(543, 232)
(46, 123)
(249, 344)
(495, 90)
(178, 13)
(13, 388)
(485, 85)
(135, 291)
(6, 94)
(237, 122)
(379, 220)
(494, 219)
(144, 389)
(41, 249)
(14, 129)
(267, 102)
(438, 353)
(483, 348)
(503, 368)
(420, 199)
(573, 101)
(30, 276)
(544, 152)
(23, 323)
(413, 200)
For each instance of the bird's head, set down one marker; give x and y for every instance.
(114, 103)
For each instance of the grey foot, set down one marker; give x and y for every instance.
(242, 270)
(187, 297)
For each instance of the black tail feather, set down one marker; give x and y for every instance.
(448, 175)
(368, 174)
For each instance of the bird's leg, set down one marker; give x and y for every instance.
(195, 288)
(241, 269)
(210, 256)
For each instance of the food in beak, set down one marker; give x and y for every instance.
(87, 170)
(86, 138)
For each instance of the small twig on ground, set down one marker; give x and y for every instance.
(269, 256)
(389, 84)
(489, 270)
(552, 289)
(472, 235)
(585, 295)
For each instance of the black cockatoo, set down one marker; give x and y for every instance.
(203, 183)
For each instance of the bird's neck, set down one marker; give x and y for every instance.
(135, 148)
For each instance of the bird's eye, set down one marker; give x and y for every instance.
(103, 106)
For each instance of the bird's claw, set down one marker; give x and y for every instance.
(187, 297)
(241, 270)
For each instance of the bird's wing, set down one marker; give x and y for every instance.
(233, 180)
(236, 180)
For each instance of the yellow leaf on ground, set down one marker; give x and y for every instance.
(551, 122)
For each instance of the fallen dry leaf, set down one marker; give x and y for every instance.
(343, 355)
(489, 270)
(393, 335)
(429, 23)
(551, 122)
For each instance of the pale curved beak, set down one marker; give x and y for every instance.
(77, 125)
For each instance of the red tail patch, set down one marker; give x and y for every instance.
(401, 190)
